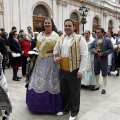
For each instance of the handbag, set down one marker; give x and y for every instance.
(15, 54)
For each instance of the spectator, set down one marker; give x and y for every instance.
(33, 42)
(25, 45)
(16, 48)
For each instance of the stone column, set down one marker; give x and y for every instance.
(1, 15)
(22, 14)
(105, 22)
(55, 14)
(60, 21)
(62, 5)
(7, 18)
(116, 22)
(15, 13)
(65, 13)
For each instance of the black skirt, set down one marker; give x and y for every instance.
(16, 61)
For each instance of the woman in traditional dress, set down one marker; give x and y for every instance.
(89, 76)
(43, 93)
(111, 57)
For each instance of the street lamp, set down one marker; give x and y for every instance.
(83, 12)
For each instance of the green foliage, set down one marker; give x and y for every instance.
(100, 47)
(82, 21)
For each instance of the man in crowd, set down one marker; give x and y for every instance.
(30, 35)
(101, 48)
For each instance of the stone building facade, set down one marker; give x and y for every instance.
(23, 13)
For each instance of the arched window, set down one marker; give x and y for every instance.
(95, 23)
(95, 20)
(74, 16)
(39, 14)
(110, 25)
(40, 10)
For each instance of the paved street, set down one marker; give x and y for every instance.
(94, 105)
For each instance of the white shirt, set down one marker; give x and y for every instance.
(66, 46)
(29, 36)
(65, 51)
(113, 42)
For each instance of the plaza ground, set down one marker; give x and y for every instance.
(94, 105)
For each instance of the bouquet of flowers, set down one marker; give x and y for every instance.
(99, 47)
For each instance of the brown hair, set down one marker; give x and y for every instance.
(21, 35)
(12, 33)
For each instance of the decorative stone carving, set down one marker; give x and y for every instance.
(62, 2)
(40, 10)
(105, 14)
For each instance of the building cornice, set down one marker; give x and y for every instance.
(103, 5)
(62, 2)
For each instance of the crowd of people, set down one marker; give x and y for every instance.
(64, 63)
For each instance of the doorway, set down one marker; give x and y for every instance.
(39, 14)
(38, 23)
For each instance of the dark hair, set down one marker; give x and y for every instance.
(112, 35)
(2, 29)
(21, 30)
(11, 34)
(29, 27)
(13, 28)
(101, 29)
(53, 25)
(69, 20)
(21, 35)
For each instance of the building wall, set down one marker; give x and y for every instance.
(19, 13)
(1, 14)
